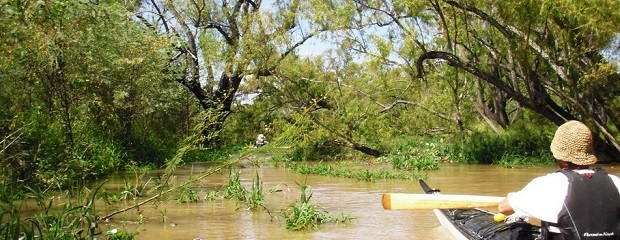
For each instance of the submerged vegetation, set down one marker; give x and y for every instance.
(365, 175)
(75, 218)
(303, 214)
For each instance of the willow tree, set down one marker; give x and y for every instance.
(339, 98)
(351, 96)
(545, 56)
(383, 39)
(221, 43)
(541, 55)
(82, 90)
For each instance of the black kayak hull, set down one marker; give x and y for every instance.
(477, 224)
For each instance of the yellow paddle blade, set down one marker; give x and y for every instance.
(409, 201)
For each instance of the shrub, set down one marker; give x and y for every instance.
(521, 143)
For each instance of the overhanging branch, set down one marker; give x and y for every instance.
(453, 60)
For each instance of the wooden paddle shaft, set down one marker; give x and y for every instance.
(411, 201)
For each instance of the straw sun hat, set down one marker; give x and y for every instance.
(573, 143)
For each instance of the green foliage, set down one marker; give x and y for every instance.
(309, 150)
(212, 195)
(512, 160)
(365, 175)
(519, 143)
(84, 81)
(115, 234)
(343, 218)
(187, 194)
(303, 214)
(60, 163)
(234, 189)
(68, 221)
(256, 195)
(131, 190)
(88, 91)
(14, 227)
(164, 215)
(418, 154)
(254, 198)
(408, 161)
(248, 121)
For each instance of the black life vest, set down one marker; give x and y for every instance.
(591, 208)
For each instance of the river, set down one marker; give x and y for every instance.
(227, 219)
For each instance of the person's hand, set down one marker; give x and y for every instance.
(504, 207)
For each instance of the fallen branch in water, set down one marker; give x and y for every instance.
(206, 174)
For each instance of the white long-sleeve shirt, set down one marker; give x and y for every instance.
(543, 197)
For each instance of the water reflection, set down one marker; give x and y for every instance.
(225, 219)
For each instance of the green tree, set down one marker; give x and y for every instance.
(544, 56)
(220, 44)
(83, 84)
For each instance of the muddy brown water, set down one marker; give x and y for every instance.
(227, 219)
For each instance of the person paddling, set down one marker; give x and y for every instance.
(576, 202)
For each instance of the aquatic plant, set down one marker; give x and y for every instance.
(116, 234)
(365, 175)
(301, 215)
(234, 189)
(518, 145)
(256, 196)
(512, 160)
(411, 162)
(344, 219)
(164, 215)
(129, 192)
(187, 194)
(212, 195)
(14, 227)
(69, 220)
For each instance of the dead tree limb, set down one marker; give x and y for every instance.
(206, 174)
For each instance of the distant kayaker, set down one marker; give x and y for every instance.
(576, 202)
(261, 140)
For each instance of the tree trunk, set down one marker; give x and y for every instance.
(58, 87)
(359, 147)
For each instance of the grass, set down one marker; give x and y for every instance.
(303, 214)
(409, 162)
(365, 175)
(297, 216)
(115, 234)
(256, 196)
(253, 198)
(517, 146)
(234, 189)
(74, 219)
(513, 160)
(187, 194)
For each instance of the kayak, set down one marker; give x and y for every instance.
(475, 223)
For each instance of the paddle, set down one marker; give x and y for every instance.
(409, 201)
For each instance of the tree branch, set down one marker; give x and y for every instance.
(453, 60)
